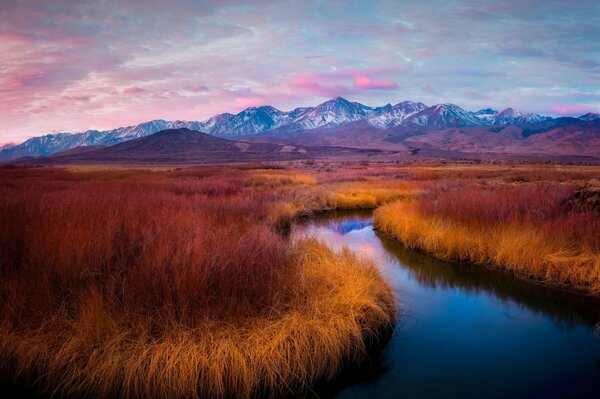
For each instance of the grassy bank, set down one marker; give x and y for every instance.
(172, 283)
(303, 193)
(544, 229)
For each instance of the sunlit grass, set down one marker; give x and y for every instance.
(272, 180)
(173, 283)
(367, 194)
(532, 231)
(333, 305)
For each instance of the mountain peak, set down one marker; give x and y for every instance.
(590, 116)
(448, 107)
(338, 102)
(509, 111)
(515, 117)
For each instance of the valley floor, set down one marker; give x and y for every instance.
(182, 281)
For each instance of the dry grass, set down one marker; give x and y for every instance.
(172, 283)
(336, 302)
(366, 194)
(532, 230)
(276, 179)
(162, 282)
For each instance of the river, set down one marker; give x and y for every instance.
(464, 331)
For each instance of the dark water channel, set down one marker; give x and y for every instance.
(467, 332)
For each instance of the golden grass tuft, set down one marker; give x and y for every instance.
(337, 301)
(367, 194)
(526, 231)
(272, 180)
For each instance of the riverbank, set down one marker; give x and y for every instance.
(547, 232)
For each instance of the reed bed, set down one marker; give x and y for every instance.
(537, 231)
(172, 283)
(177, 282)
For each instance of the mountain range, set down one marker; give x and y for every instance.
(340, 122)
(185, 146)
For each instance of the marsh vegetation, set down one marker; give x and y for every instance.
(171, 281)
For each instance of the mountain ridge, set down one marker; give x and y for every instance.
(264, 120)
(185, 146)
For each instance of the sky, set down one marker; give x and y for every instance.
(70, 65)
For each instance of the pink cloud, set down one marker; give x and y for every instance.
(133, 90)
(364, 82)
(427, 87)
(315, 84)
(13, 37)
(197, 88)
(245, 102)
(343, 82)
(18, 78)
(571, 109)
(77, 98)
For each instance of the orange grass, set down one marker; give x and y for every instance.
(272, 179)
(367, 194)
(171, 283)
(536, 231)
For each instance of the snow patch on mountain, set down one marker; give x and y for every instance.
(390, 116)
(514, 117)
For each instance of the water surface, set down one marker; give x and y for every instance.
(467, 332)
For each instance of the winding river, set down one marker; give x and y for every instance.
(467, 332)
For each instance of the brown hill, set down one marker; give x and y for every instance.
(179, 146)
(562, 138)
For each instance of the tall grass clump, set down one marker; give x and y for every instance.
(171, 283)
(536, 231)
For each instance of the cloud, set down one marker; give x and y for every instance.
(197, 88)
(96, 64)
(571, 109)
(475, 94)
(245, 102)
(365, 83)
(318, 85)
(134, 90)
(428, 86)
(343, 82)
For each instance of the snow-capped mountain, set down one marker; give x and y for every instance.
(254, 121)
(443, 116)
(390, 116)
(590, 116)
(332, 113)
(52, 143)
(249, 122)
(510, 116)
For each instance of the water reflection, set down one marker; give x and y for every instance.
(563, 307)
(469, 332)
(350, 225)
